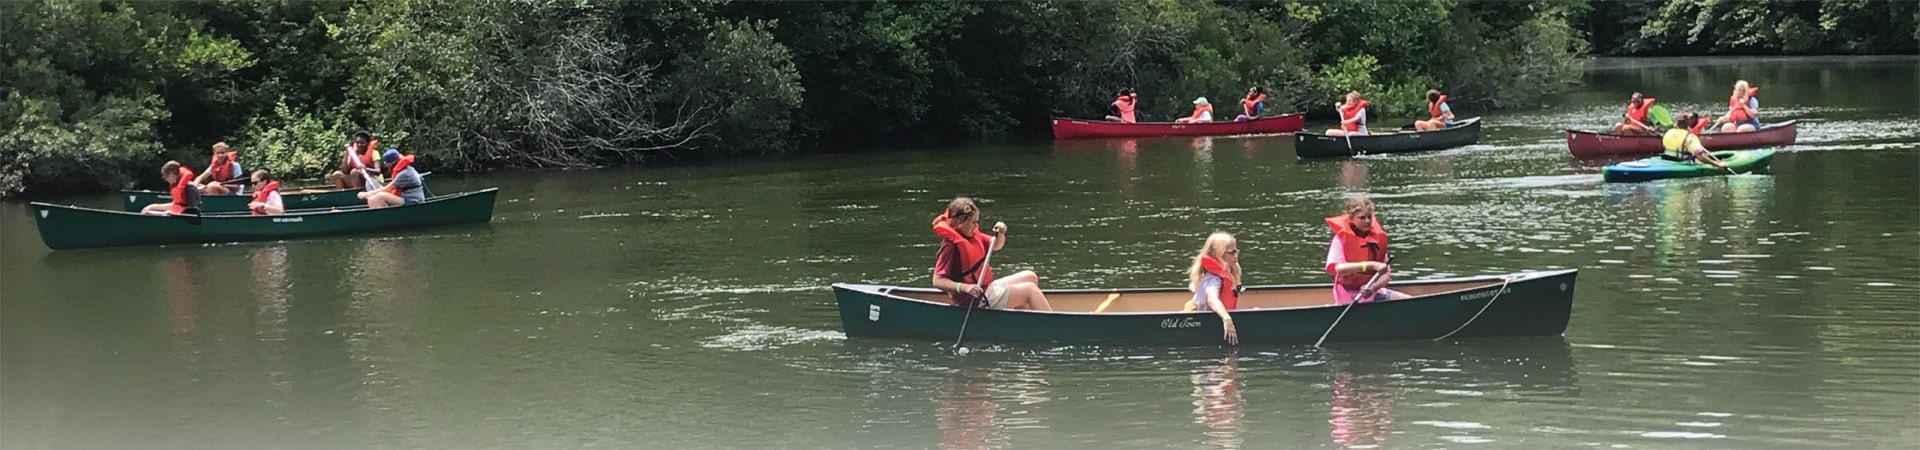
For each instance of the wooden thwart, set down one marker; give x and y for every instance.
(1105, 304)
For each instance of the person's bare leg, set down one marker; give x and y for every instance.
(1746, 128)
(1024, 276)
(1027, 296)
(1336, 132)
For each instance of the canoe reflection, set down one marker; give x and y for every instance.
(1361, 410)
(967, 411)
(1217, 402)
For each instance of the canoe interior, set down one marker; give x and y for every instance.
(1162, 301)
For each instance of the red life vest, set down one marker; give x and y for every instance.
(366, 159)
(1199, 109)
(1737, 104)
(1373, 247)
(1433, 107)
(1699, 123)
(973, 251)
(398, 165)
(1229, 297)
(1125, 104)
(1638, 111)
(179, 191)
(1349, 112)
(260, 195)
(1249, 103)
(219, 168)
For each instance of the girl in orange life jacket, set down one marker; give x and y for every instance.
(1439, 114)
(1202, 112)
(1635, 122)
(184, 193)
(1252, 104)
(219, 170)
(1215, 281)
(1358, 251)
(961, 270)
(1353, 116)
(266, 195)
(1743, 111)
(1122, 107)
(359, 156)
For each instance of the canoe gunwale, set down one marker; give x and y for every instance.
(1317, 145)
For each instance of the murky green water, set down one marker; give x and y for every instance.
(689, 307)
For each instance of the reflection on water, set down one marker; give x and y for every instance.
(1362, 415)
(967, 411)
(1216, 392)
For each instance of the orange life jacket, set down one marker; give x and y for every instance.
(1373, 247)
(1699, 123)
(364, 160)
(1433, 107)
(398, 165)
(973, 251)
(1638, 111)
(1252, 104)
(1349, 112)
(1737, 104)
(260, 195)
(182, 192)
(1229, 297)
(1125, 104)
(1198, 109)
(219, 168)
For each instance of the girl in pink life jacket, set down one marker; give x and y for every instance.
(1357, 253)
(1122, 106)
(961, 268)
(1353, 116)
(1215, 281)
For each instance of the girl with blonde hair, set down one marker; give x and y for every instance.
(1214, 280)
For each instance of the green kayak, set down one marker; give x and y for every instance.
(70, 227)
(1656, 168)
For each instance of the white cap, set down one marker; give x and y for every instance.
(1200, 101)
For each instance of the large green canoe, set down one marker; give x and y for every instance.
(1522, 304)
(1657, 168)
(134, 199)
(1462, 133)
(70, 227)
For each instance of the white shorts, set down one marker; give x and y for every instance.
(997, 295)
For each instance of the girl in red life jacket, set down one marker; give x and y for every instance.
(1743, 112)
(1353, 116)
(1358, 251)
(1635, 122)
(961, 269)
(185, 194)
(1215, 281)
(266, 195)
(1122, 107)
(1252, 104)
(1439, 115)
(219, 170)
(1202, 112)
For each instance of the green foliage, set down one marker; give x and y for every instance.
(745, 81)
(292, 144)
(1774, 26)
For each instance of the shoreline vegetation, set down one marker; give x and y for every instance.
(99, 93)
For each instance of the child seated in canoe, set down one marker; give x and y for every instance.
(1635, 123)
(361, 163)
(1252, 105)
(184, 193)
(266, 195)
(405, 188)
(221, 169)
(1214, 280)
(1357, 256)
(1743, 110)
(1439, 114)
(1353, 116)
(1121, 110)
(1202, 112)
(1682, 143)
(960, 267)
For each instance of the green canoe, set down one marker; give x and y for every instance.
(1656, 168)
(1522, 304)
(292, 199)
(1312, 145)
(70, 227)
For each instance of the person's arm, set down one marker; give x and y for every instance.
(945, 261)
(1358, 267)
(1700, 152)
(1220, 309)
(947, 285)
(1000, 232)
(1446, 111)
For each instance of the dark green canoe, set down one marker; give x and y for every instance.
(70, 227)
(1522, 304)
(1462, 133)
(1658, 168)
(292, 199)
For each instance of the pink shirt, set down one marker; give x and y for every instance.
(1336, 257)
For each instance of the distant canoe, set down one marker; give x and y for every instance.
(1083, 129)
(1657, 168)
(1531, 304)
(1587, 144)
(1313, 145)
(135, 200)
(69, 227)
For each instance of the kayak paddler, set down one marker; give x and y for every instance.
(1682, 143)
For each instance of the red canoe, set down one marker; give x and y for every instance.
(1082, 129)
(1585, 144)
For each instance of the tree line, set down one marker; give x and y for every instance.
(98, 93)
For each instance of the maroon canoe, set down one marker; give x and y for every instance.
(1585, 144)
(1082, 129)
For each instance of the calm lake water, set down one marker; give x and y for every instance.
(689, 307)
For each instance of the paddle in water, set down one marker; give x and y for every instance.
(957, 348)
(1356, 299)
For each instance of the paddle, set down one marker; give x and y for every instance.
(1356, 299)
(1659, 115)
(970, 302)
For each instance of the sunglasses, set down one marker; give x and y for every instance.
(1234, 252)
